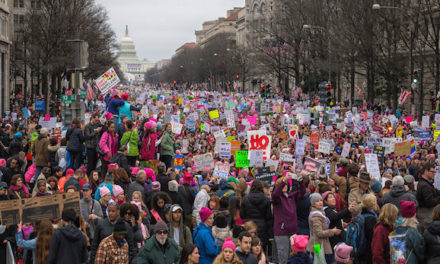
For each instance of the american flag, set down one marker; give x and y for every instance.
(90, 93)
(359, 90)
(404, 96)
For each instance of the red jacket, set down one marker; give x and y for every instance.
(380, 246)
(147, 151)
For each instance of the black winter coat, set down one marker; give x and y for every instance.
(336, 221)
(15, 147)
(256, 207)
(188, 198)
(68, 245)
(432, 242)
(91, 136)
(370, 223)
(163, 179)
(76, 139)
(427, 195)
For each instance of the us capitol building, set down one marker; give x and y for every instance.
(134, 70)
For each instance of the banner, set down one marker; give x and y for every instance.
(264, 174)
(203, 161)
(107, 81)
(258, 140)
(241, 159)
(35, 209)
(402, 149)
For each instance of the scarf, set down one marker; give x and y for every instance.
(17, 189)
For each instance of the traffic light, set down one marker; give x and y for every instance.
(328, 86)
(237, 76)
(328, 97)
(416, 76)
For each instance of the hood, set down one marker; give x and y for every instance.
(256, 198)
(434, 227)
(171, 215)
(222, 233)
(397, 191)
(71, 233)
(225, 185)
(53, 148)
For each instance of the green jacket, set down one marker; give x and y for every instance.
(131, 135)
(34, 136)
(167, 144)
(185, 236)
(151, 253)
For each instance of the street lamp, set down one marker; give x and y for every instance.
(378, 6)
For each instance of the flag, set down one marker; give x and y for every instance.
(90, 93)
(359, 90)
(404, 96)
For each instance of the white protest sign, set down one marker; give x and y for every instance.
(219, 133)
(230, 119)
(51, 124)
(259, 140)
(203, 161)
(372, 165)
(225, 150)
(256, 159)
(437, 178)
(206, 128)
(286, 157)
(346, 150)
(300, 144)
(185, 144)
(388, 144)
(176, 128)
(175, 119)
(107, 81)
(221, 170)
(270, 163)
(324, 147)
(425, 121)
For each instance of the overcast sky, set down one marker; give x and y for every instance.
(159, 27)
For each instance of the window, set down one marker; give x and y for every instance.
(3, 26)
(19, 3)
(255, 10)
(36, 3)
(18, 35)
(18, 19)
(263, 8)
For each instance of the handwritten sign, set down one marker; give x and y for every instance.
(221, 170)
(225, 150)
(241, 159)
(256, 158)
(300, 145)
(214, 114)
(346, 150)
(203, 161)
(107, 81)
(373, 165)
(176, 128)
(258, 140)
(324, 147)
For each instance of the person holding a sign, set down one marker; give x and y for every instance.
(284, 213)
(167, 147)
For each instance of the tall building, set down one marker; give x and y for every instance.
(131, 66)
(5, 47)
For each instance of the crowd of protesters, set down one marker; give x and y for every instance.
(139, 206)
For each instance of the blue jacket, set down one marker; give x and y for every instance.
(114, 104)
(124, 110)
(27, 245)
(204, 240)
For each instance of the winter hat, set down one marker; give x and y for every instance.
(173, 186)
(109, 177)
(155, 186)
(398, 181)
(103, 191)
(376, 187)
(228, 244)
(365, 177)
(325, 194)
(299, 242)
(342, 252)
(409, 179)
(232, 179)
(108, 115)
(117, 190)
(220, 221)
(150, 125)
(160, 226)
(150, 173)
(120, 227)
(2, 163)
(69, 172)
(187, 177)
(204, 213)
(124, 96)
(18, 135)
(407, 208)
(314, 197)
(138, 204)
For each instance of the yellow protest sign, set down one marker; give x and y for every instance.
(214, 114)
(436, 133)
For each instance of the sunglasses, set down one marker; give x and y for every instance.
(162, 232)
(128, 213)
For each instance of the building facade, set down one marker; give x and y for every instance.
(134, 70)
(5, 47)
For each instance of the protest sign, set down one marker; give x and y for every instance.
(191, 125)
(264, 174)
(425, 121)
(241, 159)
(176, 128)
(256, 158)
(324, 147)
(292, 131)
(388, 144)
(175, 119)
(372, 142)
(51, 124)
(346, 150)
(39, 105)
(436, 134)
(272, 163)
(311, 165)
(424, 135)
(185, 144)
(235, 146)
(380, 152)
(178, 162)
(107, 81)
(230, 119)
(219, 133)
(203, 161)
(35, 209)
(221, 170)
(258, 140)
(314, 139)
(402, 149)
(372, 165)
(206, 128)
(286, 157)
(225, 150)
(300, 145)
(436, 178)
(214, 114)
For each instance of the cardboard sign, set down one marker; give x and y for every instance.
(346, 150)
(372, 165)
(258, 140)
(256, 158)
(264, 174)
(176, 128)
(203, 161)
(107, 81)
(178, 161)
(36, 209)
(300, 145)
(324, 147)
(241, 159)
(402, 149)
(221, 170)
(225, 150)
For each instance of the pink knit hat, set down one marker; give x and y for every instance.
(155, 186)
(150, 125)
(104, 191)
(150, 174)
(342, 252)
(117, 190)
(2, 162)
(108, 115)
(228, 244)
(299, 242)
(204, 213)
(114, 92)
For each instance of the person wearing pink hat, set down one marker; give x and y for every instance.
(106, 196)
(118, 194)
(148, 145)
(298, 243)
(203, 237)
(227, 255)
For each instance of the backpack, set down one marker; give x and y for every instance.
(145, 147)
(356, 235)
